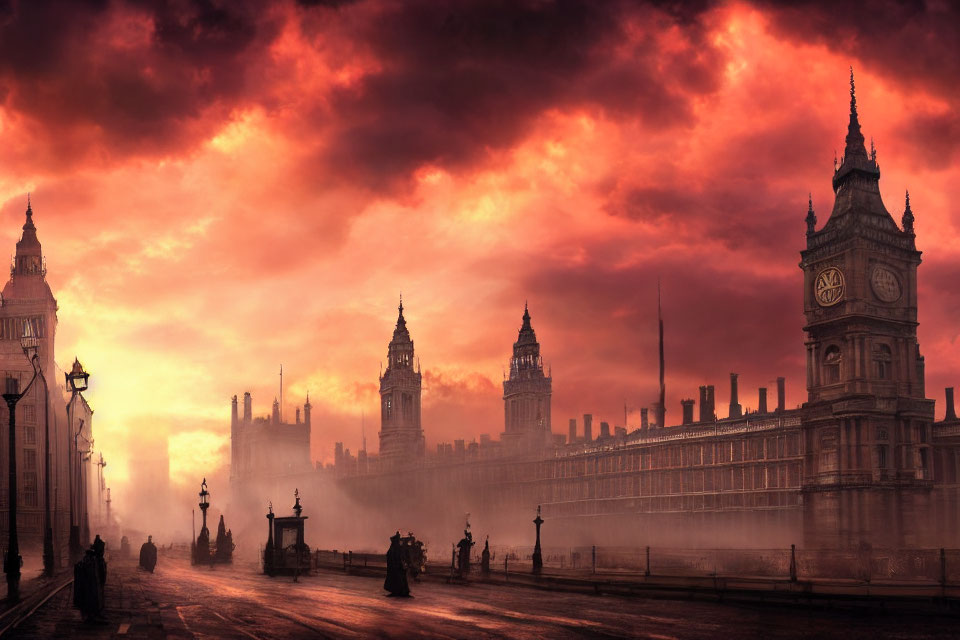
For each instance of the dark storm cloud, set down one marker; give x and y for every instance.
(917, 42)
(451, 83)
(132, 77)
(462, 79)
(916, 45)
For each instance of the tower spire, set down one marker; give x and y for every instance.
(908, 215)
(855, 142)
(811, 217)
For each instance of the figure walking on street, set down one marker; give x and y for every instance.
(148, 555)
(396, 582)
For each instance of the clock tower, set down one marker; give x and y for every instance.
(866, 420)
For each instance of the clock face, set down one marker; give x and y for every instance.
(885, 284)
(828, 287)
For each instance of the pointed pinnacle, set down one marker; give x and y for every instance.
(853, 93)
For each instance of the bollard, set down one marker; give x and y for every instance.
(943, 567)
(646, 571)
(793, 563)
(594, 560)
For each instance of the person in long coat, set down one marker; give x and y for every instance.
(87, 592)
(396, 582)
(148, 555)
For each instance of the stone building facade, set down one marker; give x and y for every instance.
(28, 300)
(266, 454)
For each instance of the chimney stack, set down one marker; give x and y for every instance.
(762, 403)
(736, 411)
(588, 427)
(951, 415)
(298, 415)
(233, 412)
(781, 394)
(247, 407)
(573, 430)
(604, 429)
(687, 410)
(644, 418)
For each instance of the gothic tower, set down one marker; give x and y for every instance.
(526, 394)
(866, 421)
(401, 436)
(28, 302)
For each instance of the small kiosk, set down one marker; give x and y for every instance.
(285, 552)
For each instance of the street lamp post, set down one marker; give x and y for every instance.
(203, 540)
(537, 555)
(77, 383)
(13, 561)
(30, 344)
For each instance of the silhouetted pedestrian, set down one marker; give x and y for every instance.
(463, 556)
(485, 558)
(99, 549)
(87, 588)
(148, 555)
(396, 582)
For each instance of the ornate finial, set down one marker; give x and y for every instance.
(907, 215)
(29, 208)
(270, 508)
(811, 217)
(401, 302)
(873, 150)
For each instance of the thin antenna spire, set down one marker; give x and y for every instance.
(281, 393)
(662, 410)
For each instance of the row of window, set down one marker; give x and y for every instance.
(833, 363)
(13, 328)
(681, 455)
(739, 478)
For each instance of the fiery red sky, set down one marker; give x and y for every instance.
(222, 187)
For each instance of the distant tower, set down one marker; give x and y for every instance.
(401, 436)
(526, 393)
(234, 437)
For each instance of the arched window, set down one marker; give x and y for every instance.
(831, 364)
(882, 360)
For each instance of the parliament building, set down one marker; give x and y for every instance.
(862, 461)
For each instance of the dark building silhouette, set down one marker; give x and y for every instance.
(401, 436)
(526, 393)
(862, 461)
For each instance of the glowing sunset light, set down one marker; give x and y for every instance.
(257, 186)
